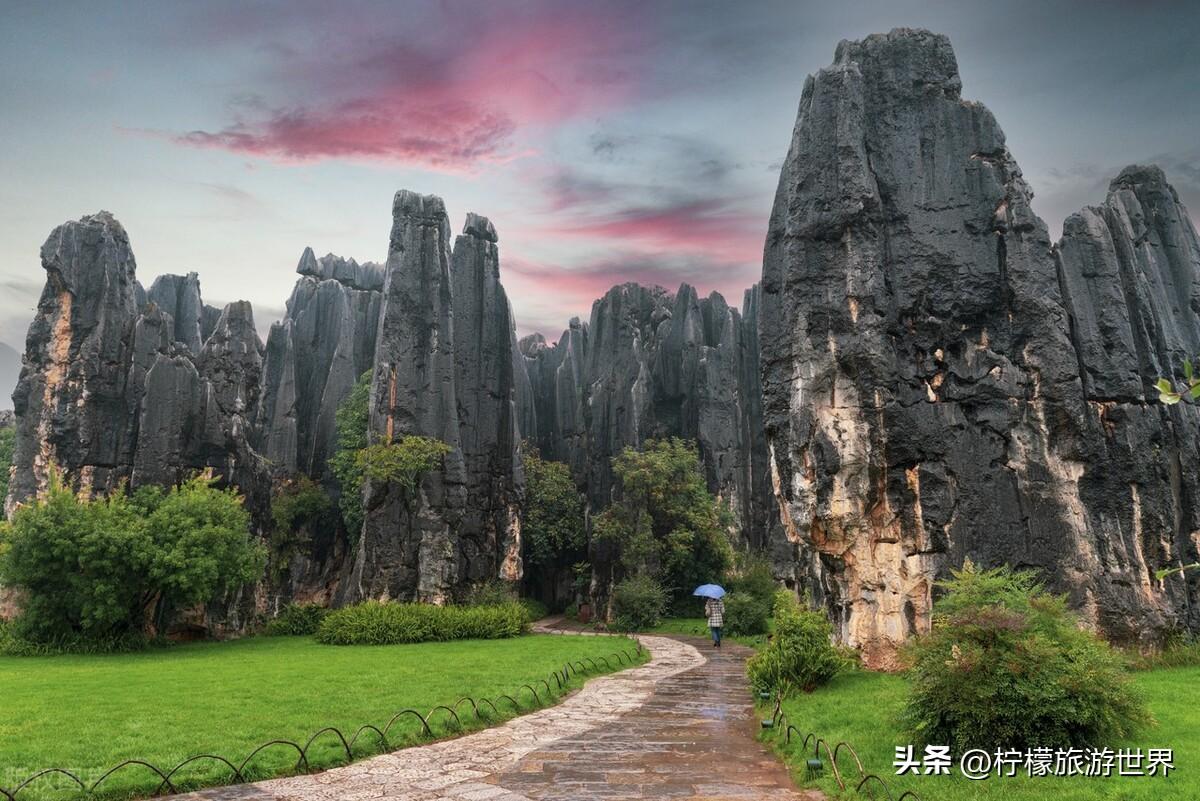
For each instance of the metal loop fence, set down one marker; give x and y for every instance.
(169, 784)
(779, 720)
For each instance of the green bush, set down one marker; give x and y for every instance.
(800, 655)
(783, 601)
(1007, 666)
(297, 620)
(352, 422)
(375, 623)
(751, 598)
(493, 592)
(638, 604)
(102, 572)
(8, 438)
(535, 610)
(746, 614)
(572, 611)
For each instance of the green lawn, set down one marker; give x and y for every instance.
(87, 713)
(861, 708)
(698, 627)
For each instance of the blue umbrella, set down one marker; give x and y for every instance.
(709, 591)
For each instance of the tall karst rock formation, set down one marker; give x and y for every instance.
(650, 364)
(115, 387)
(443, 369)
(941, 383)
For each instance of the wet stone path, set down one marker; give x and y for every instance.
(681, 726)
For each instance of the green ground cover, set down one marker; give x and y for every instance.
(861, 708)
(87, 713)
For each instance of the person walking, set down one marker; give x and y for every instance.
(714, 610)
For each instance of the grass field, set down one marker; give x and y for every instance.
(861, 708)
(87, 713)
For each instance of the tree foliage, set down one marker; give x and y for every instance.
(402, 463)
(1008, 666)
(664, 522)
(102, 568)
(352, 419)
(800, 655)
(553, 531)
(8, 437)
(298, 504)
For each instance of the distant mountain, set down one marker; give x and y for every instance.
(10, 370)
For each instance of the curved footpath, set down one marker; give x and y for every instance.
(678, 727)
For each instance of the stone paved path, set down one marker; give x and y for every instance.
(679, 727)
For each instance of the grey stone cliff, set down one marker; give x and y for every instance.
(325, 341)
(939, 385)
(486, 382)
(408, 546)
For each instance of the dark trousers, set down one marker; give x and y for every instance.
(716, 634)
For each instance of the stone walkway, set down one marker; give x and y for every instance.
(681, 726)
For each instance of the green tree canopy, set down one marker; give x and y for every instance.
(102, 568)
(664, 522)
(553, 531)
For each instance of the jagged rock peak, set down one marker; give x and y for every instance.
(940, 384)
(480, 227)
(179, 297)
(904, 61)
(366, 276)
(412, 204)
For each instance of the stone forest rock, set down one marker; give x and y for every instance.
(921, 378)
(942, 384)
(325, 341)
(113, 390)
(485, 347)
(653, 365)
(408, 547)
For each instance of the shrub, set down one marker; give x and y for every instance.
(534, 609)
(297, 620)
(402, 462)
(298, 507)
(783, 601)
(375, 623)
(638, 604)
(748, 607)
(801, 654)
(493, 592)
(746, 613)
(572, 611)
(104, 570)
(1007, 666)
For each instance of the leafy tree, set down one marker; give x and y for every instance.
(1007, 666)
(664, 523)
(402, 462)
(8, 438)
(352, 424)
(102, 568)
(553, 530)
(297, 505)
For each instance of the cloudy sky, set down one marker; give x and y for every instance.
(608, 141)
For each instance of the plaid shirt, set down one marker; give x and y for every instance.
(715, 609)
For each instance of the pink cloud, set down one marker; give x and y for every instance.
(713, 229)
(453, 101)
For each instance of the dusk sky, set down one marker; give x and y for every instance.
(607, 141)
